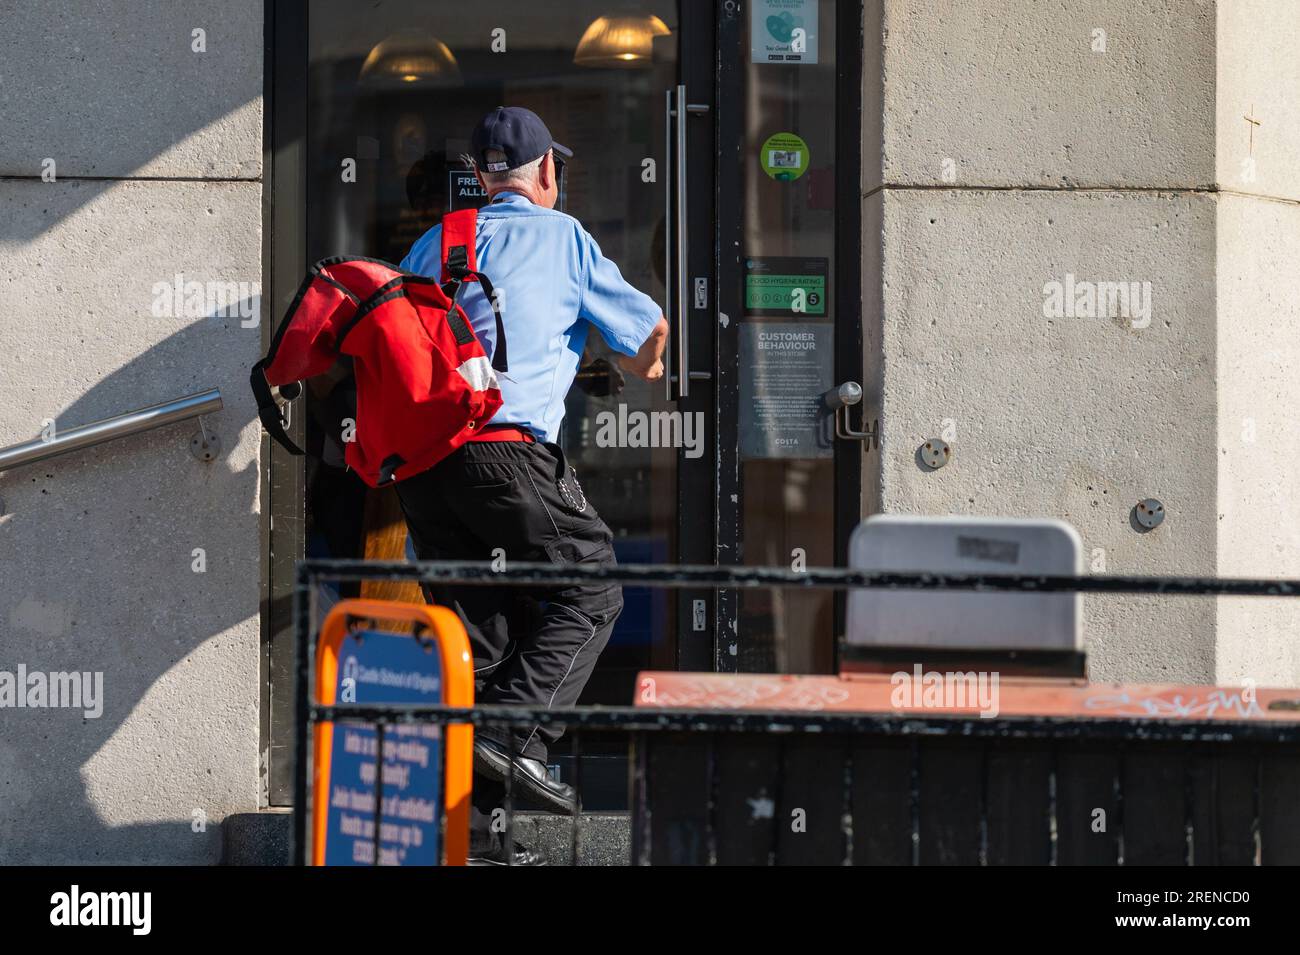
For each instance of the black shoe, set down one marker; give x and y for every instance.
(530, 776)
(497, 856)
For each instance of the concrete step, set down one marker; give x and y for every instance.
(257, 838)
(605, 838)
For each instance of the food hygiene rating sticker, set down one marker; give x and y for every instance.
(789, 286)
(784, 157)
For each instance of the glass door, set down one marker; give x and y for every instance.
(394, 89)
(788, 261)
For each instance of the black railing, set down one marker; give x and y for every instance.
(736, 787)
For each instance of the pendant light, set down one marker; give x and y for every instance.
(410, 58)
(619, 41)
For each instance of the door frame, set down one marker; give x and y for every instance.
(716, 147)
(698, 480)
(850, 354)
(282, 477)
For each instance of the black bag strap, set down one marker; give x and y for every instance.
(272, 417)
(269, 412)
(388, 468)
(500, 359)
(457, 266)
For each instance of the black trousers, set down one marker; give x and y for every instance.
(517, 501)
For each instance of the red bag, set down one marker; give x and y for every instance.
(424, 383)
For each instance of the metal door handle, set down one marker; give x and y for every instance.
(675, 247)
(839, 400)
(669, 113)
(676, 297)
(683, 340)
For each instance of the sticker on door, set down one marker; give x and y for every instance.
(785, 369)
(783, 31)
(784, 156)
(788, 286)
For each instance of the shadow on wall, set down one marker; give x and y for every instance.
(99, 548)
(130, 90)
(137, 561)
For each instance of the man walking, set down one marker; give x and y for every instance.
(509, 490)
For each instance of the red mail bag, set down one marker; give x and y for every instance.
(425, 385)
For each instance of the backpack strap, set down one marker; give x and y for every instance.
(273, 419)
(459, 266)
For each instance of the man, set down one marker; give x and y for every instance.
(510, 491)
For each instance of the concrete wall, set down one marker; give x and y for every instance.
(158, 154)
(1020, 145)
(1259, 443)
(1004, 151)
(1258, 248)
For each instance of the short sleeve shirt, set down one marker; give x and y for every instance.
(553, 284)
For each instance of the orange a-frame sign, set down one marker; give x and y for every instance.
(457, 670)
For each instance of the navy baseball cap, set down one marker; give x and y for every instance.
(518, 133)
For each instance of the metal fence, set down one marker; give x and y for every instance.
(745, 787)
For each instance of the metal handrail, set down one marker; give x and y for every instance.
(119, 426)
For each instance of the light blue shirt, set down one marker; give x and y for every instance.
(553, 284)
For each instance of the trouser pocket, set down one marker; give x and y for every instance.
(599, 600)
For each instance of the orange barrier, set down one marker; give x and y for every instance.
(446, 630)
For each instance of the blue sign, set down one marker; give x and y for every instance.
(376, 667)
